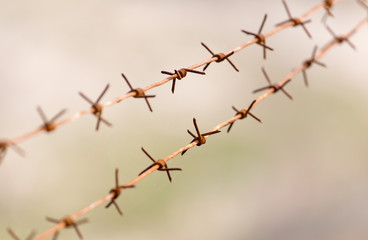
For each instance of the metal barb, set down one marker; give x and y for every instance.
(49, 125)
(116, 192)
(180, 74)
(220, 57)
(243, 114)
(162, 165)
(15, 237)
(139, 93)
(5, 144)
(68, 222)
(200, 138)
(308, 63)
(341, 39)
(260, 37)
(97, 108)
(275, 87)
(295, 21)
(328, 7)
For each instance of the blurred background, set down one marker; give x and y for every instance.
(302, 174)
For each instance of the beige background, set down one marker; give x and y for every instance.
(302, 174)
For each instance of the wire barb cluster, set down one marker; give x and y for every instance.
(274, 86)
(295, 21)
(5, 144)
(161, 165)
(180, 74)
(68, 222)
(198, 138)
(116, 192)
(261, 39)
(49, 126)
(219, 57)
(97, 108)
(243, 114)
(308, 63)
(139, 93)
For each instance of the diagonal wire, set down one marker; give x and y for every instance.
(79, 114)
(109, 197)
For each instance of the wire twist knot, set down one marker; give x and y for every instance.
(180, 74)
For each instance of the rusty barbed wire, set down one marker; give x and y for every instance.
(71, 221)
(96, 108)
(161, 164)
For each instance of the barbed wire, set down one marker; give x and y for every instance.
(198, 140)
(97, 108)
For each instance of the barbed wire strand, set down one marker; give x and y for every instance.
(18, 139)
(56, 228)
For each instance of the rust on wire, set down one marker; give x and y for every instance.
(116, 192)
(5, 144)
(308, 63)
(295, 21)
(275, 87)
(243, 114)
(49, 126)
(200, 138)
(139, 93)
(68, 222)
(15, 237)
(97, 108)
(180, 74)
(340, 39)
(328, 7)
(260, 37)
(162, 165)
(219, 57)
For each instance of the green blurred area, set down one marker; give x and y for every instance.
(302, 174)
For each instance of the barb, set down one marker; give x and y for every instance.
(161, 166)
(97, 108)
(68, 222)
(200, 138)
(328, 6)
(243, 114)
(139, 94)
(180, 74)
(14, 236)
(5, 144)
(116, 192)
(219, 57)
(308, 63)
(156, 166)
(295, 21)
(49, 126)
(261, 39)
(275, 87)
(341, 39)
